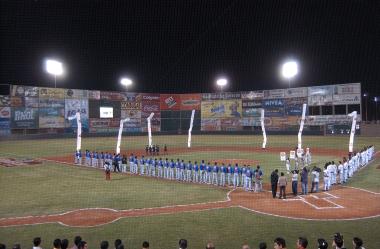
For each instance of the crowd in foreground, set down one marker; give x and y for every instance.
(227, 174)
(337, 242)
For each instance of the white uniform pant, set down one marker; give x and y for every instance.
(215, 178)
(222, 179)
(236, 180)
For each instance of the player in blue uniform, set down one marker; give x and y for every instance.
(258, 179)
(209, 170)
(201, 172)
(87, 155)
(196, 172)
(243, 169)
(248, 179)
(223, 171)
(229, 174)
(160, 168)
(215, 171)
(177, 169)
(236, 171)
(171, 170)
(142, 163)
(189, 169)
(166, 169)
(131, 159)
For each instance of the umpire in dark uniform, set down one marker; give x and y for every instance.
(274, 181)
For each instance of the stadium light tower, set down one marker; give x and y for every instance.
(126, 82)
(221, 83)
(365, 95)
(289, 70)
(376, 99)
(55, 68)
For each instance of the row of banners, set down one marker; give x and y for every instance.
(34, 107)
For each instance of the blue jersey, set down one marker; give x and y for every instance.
(248, 173)
(135, 161)
(223, 169)
(236, 170)
(87, 154)
(96, 155)
(243, 170)
(172, 165)
(182, 165)
(189, 166)
(166, 164)
(209, 168)
(102, 155)
(215, 169)
(142, 161)
(177, 164)
(202, 166)
(196, 167)
(229, 169)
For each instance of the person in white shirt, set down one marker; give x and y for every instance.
(37, 243)
(326, 178)
(345, 170)
(334, 173)
(307, 157)
(315, 180)
(341, 173)
(287, 165)
(330, 170)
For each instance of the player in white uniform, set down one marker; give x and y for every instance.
(341, 173)
(307, 157)
(287, 165)
(330, 170)
(334, 173)
(345, 170)
(326, 178)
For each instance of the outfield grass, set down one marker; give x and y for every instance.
(54, 188)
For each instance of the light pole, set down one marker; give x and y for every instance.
(365, 95)
(289, 70)
(55, 68)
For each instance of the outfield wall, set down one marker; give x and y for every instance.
(40, 110)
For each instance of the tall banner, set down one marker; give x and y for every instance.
(263, 128)
(79, 129)
(352, 134)
(119, 135)
(72, 106)
(190, 129)
(150, 128)
(301, 126)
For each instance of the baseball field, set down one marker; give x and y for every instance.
(44, 194)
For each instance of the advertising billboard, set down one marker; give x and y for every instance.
(51, 93)
(170, 102)
(51, 117)
(221, 109)
(190, 102)
(24, 118)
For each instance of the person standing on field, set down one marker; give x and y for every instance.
(274, 182)
(295, 182)
(282, 182)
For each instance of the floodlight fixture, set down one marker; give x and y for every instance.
(126, 82)
(55, 68)
(289, 70)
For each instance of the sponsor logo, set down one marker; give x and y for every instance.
(170, 102)
(151, 108)
(148, 97)
(4, 112)
(190, 102)
(23, 115)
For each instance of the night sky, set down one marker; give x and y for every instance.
(183, 46)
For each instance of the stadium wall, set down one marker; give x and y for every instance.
(31, 110)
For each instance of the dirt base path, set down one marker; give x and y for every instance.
(343, 203)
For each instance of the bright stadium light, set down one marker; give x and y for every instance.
(221, 83)
(126, 82)
(289, 70)
(55, 68)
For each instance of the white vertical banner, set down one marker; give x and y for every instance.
(79, 129)
(120, 133)
(301, 126)
(354, 115)
(263, 128)
(150, 128)
(190, 129)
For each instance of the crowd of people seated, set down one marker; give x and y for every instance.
(336, 242)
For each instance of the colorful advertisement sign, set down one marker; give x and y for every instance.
(31, 102)
(17, 101)
(329, 119)
(52, 93)
(274, 111)
(231, 124)
(252, 121)
(190, 102)
(5, 112)
(170, 102)
(320, 95)
(273, 103)
(211, 124)
(221, 109)
(49, 102)
(131, 97)
(72, 106)
(252, 112)
(346, 99)
(93, 94)
(5, 124)
(296, 92)
(353, 88)
(104, 122)
(24, 118)
(252, 104)
(127, 105)
(5, 100)
(115, 96)
(274, 94)
(221, 96)
(150, 97)
(22, 91)
(252, 95)
(51, 118)
(293, 106)
(131, 114)
(76, 94)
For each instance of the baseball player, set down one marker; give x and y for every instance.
(166, 168)
(248, 180)
(177, 169)
(76, 157)
(92, 159)
(88, 158)
(215, 171)
(258, 179)
(196, 172)
(202, 172)
(171, 169)
(209, 169)
(107, 170)
(243, 176)
(236, 176)
(101, 158)
(142, 163)
(182, 171)
(131, 160)
(345, 170)
(188, 171)
(287, 165)
(229, 174)
(135, 165)
(326, 178)
(160, 168)
(334, 173)
(223, 171)
(341, 172)
(330, 170)
(307, 157)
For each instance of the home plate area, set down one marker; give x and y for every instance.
(322, 200)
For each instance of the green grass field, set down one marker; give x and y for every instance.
(54, 188)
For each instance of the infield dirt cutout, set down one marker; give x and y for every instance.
(341, 203)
